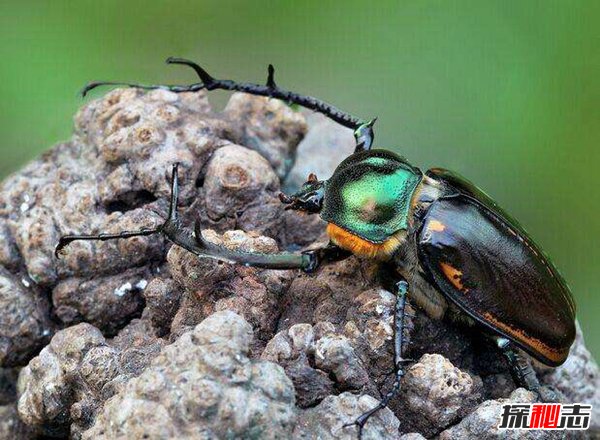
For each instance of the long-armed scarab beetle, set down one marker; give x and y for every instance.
(450, 246)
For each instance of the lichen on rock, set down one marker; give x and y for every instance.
(133, 338)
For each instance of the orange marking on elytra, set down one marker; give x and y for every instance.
(555, 355)
(436, 225)
(454, 276)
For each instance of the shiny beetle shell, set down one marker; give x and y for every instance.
(484, 262)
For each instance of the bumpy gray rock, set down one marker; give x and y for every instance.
(113, 175)
(8, 381)
(62, 388)
(203, 386)
(483, 422)
(330, 333)
(578, 378)
(438, 394)
(24, 319)
(46, 390)
(321, 150)
(412, 436)
(108, 303)
(211, 286)
(11, 427)
(326, 421)
(269, 127)
(162, 302)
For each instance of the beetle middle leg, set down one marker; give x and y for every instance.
(522, 372)
(399, 360)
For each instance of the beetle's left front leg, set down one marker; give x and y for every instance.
(399, 361)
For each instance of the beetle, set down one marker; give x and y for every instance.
(450, 247)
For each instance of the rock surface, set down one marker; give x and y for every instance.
(61, 389)
(483, 422)
(326, 420)
(127, 338)
(203, 386)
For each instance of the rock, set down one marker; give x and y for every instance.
(268, 126)
(9, 256)
(24, 321)
(11, 427)
(108, 303)
(412, 436)
(46, 390)
(235, 176)
(162, 302)
(8, 385)
(211, 286)
(114, 175)
(62, 388)
(326, 420)
(438, 394)
(325, 145)
(483, 422)
(240, 181)
(352, 320)
(578, 378)
(137, 345)
(294, 349)
(335, 355)
(203, 386)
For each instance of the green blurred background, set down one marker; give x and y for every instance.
(506, 92)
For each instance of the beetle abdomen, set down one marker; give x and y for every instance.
(496, 274)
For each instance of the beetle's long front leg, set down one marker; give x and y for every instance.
(399, 361)
(192, 241)
(521, 370)
(327, 254)
(363, 130)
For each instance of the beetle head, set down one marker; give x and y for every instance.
(308, 199)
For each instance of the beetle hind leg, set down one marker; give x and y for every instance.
(522, 371)
(399, 361)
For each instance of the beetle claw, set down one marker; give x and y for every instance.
(284, 198)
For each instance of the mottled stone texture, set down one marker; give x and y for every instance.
(140, 339)
(203, 386)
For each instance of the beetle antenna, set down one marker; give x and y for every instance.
(363, 130)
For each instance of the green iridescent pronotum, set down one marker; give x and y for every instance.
(370, 194)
